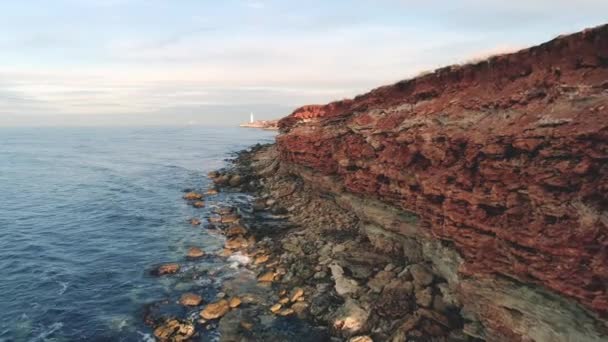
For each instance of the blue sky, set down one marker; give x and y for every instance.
(141, 62)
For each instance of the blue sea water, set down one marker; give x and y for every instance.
(85, 212)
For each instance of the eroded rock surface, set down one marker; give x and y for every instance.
(495, 174)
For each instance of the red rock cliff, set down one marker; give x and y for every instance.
(506, 159)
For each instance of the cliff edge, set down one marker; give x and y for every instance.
(504, 166)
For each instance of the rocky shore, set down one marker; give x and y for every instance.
(465, 205)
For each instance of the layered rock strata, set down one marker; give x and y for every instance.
(496, 173)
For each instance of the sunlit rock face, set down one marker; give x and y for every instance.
(503, 166)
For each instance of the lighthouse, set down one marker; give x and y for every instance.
(251, 117)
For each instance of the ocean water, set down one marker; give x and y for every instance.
(86, 212)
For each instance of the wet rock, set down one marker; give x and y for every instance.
(267, 277)
(166, 269)
(259, 205)
(234, 302)
(364, 338)
(424, 297)
(195, 253)
(211, 192)
(300, 308)
(296, 294)
(351, 319)
(235, 230)
(344, 285)
(276, 308)
(421, 274)
(215, 219)
(198, 204)
(193, 196)
(447, 295)
(261, 259)
(235, 180)
(221, 180)
(174, 330)
(213, 174)
(286, 312)
(190, 299)
(194, 221)
(215, 310)
(230, 218)
(238, 242)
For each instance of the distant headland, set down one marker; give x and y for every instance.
(263, 124)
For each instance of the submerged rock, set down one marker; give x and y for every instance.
(190, 299)
(166, 269)
(194, 221)
(198, 204)
(174, 330)
(195, 253)
(193, 196)
(215, 310)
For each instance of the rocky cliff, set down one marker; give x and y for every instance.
(496, 173)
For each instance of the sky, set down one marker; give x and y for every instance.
(179, 62)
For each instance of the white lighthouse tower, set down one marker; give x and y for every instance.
(251, 117)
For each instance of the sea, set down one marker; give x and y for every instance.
(85, 213)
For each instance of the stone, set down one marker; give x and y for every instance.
(424, 297)
(286, 312)
(235, 180)
(351, 319)
(275, 308)
(190, 299)
(261, 259)
(213, 174)
(193, 196)
(195, 253)
(267, 277)
(234, 302)
(194, 221)
(175, 331)
(235, 230)
(296, 294)
(215, 310)
(344, 285)
(230, 218)
(211, 192)
(284, 300)
(363, 338)
(300, 308)
(198, 204)
(381, 279)
(166, 269)
(421, 274)
(236, 243)
(215, 219)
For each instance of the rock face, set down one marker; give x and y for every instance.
(495, 174)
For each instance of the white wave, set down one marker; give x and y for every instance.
(64, 287)
(238, 259)
(49, 331)
(146, 337)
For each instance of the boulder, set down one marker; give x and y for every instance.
(190, 299)
(215, 310)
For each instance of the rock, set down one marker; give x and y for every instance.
(424, 297)
(213, 174)
(235, 229)
(259, 205)
(198, 204)
(447, 295)
(267, 277)
(211, 192)
(190, 299)
(275, 308)
(215, 310)
(166, 269)
(390, 267)
(364, 338)
(236, 243)
(215, 219)
(235, 180)
(286, 312)
(193, 196)
(174, 330)
(296, 294)
(344, 285)
(195, 253)
(261, 259)
(230, 218)
(320, 275)
(221, 180)
(381, 279)
(194, 221)
(234, 302)
(300, 309)
(421, 274)
(351, 319)
(284, 300)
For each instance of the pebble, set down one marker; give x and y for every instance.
(275, 308)
(296, 294)
(267, 277)
(234, 302)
